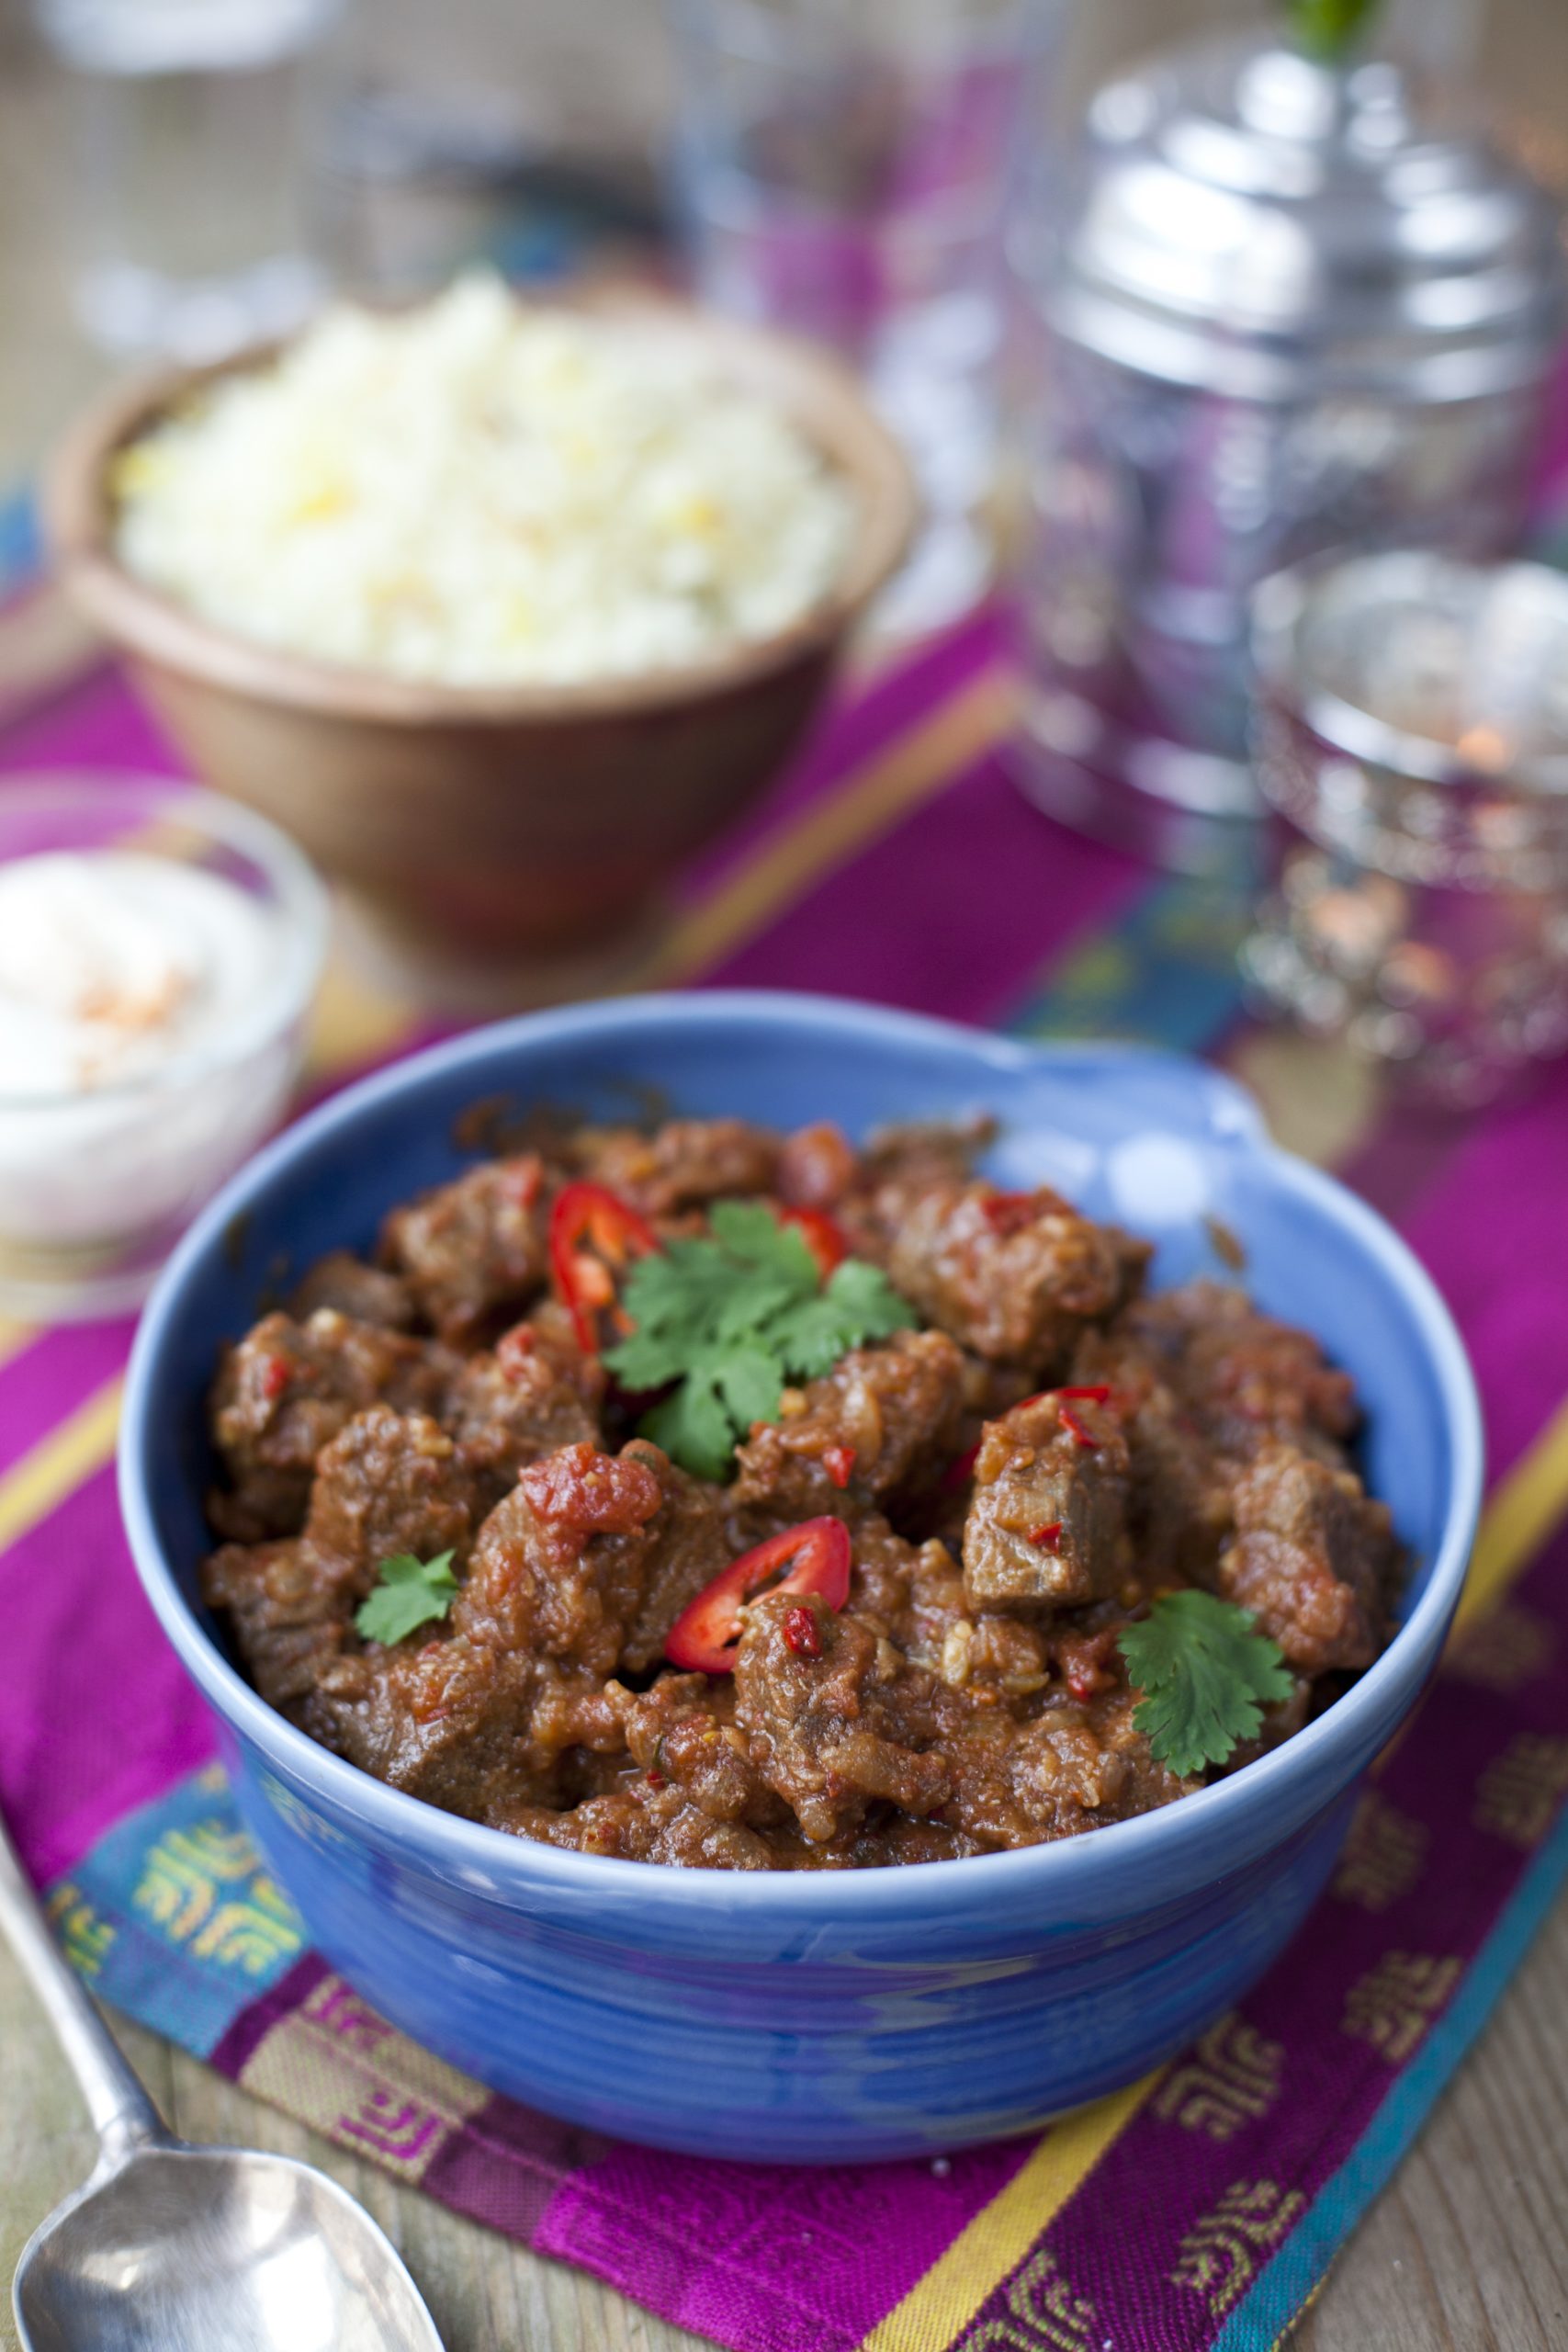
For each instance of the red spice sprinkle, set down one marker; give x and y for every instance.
(800, 1631)
(1092, 1395)
(513, 1349)
(1076, 1429)
(275, 1378)
(1007, 1208)
(1048, 1538)
(1081, 1684)
(838, 1461)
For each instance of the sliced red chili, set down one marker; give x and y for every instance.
(1090, 1396)
(275, 1377)
(823, 1235)
(813, 1558)
(1048, 1538)
(838, 1461)
(592, 1212)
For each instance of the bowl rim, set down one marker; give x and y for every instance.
(299, 898)
(816, 390)
(514, 1868)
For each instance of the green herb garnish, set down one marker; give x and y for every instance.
(732, 1319)
(1328, 30)
(411, 1592)
(1205, 1672)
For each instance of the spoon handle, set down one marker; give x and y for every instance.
(123, 2116)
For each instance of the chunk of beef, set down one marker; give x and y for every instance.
(882, 1423)
(1015, 1277)
(690, 1541)
(682, 1165)
(684, 1734)
(1179, 1510)
(347, 1284)
(1072, 1768)
(559, 1567)
(838, 1723)
(534, 1392)
(638, 1823)
(473, 1252)
(1314, 1560)
(1246, 1379)
(1049, 1518)
(286, 1390)
(391, 1483)
(451, 1719)
(290, 1607)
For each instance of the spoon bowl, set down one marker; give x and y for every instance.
(183, 2249)
(169, 2248)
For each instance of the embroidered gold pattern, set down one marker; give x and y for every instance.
(1501, 1651)
(1043, 2311)
(1394, 2004)
(1230, 2080)
(86, 1936)
(1521, 1790)
(1383, 1855)
(1220, 2254)
(206, 1888)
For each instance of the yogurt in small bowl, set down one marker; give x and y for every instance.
(159, 951)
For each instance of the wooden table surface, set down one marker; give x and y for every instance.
(1468, 2251)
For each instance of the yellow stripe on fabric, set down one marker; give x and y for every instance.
(13, 1338)
(352, 1020)
(1525, 1509)
(59, 1463)
(868, 803)
(939, 2306)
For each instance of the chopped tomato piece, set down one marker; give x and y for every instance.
(822, 1235)
(591, 1214)
(800, 1632)
(813, 1558)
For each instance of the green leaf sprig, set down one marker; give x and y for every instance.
(1328, 30)
(1205, 1673)
(731, 1318)
(409, 1593)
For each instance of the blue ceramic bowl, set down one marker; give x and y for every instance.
(806, 2017)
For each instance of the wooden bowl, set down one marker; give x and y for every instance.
(487, 828)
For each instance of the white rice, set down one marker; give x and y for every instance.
(483, 494)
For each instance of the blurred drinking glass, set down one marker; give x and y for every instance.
(846, 171)
(195, 131)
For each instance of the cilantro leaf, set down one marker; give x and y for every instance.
(857, 1303)
(411, 1593)
(1204, 1672)
(731, 1318)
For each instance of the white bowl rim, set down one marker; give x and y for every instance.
(513, 1869)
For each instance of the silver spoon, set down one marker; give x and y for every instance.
(170, 2249)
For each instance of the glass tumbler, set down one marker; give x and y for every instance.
(846, 172)
(195, 136)
(1411, 730)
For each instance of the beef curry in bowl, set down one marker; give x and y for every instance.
(712, 1496)
(626, 1413)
